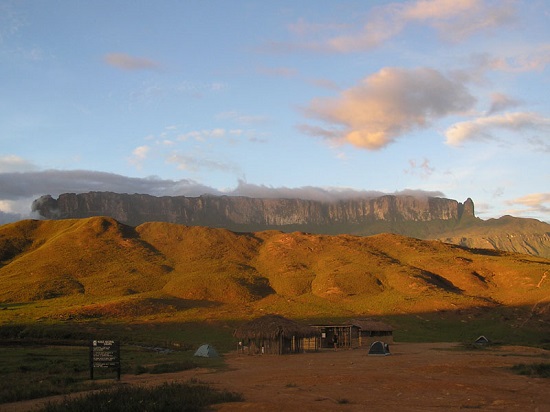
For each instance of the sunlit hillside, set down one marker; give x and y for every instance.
(98, 268)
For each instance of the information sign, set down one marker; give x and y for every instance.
(104, 354)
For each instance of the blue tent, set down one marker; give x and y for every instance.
(379, 348)
(206, 351)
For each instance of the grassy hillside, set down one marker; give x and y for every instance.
(508, 233)
(97, 268)
(92, 257)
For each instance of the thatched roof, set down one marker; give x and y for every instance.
(273, 326)
(372, 325)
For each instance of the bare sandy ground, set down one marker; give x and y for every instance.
(415, 377)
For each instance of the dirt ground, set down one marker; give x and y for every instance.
(415, 377)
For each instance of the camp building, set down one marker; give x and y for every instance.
(357, 333)
(274, 334)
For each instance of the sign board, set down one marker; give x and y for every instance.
(104, 354)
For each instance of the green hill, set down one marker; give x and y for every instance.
(98, 268)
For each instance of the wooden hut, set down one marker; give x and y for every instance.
(371, 331)
(357, 333)
(274, 334)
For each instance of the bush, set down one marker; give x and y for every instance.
(541, 370)
(139, 369)
(164, 368)
(168, 397)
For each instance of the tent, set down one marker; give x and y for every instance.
(379, 349)
(206, 351)
(482, 340)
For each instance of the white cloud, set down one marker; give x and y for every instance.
(456, 20)
(528, 57)
(241, 118)
(321, 194)
(324, 83)
(278, 71)
(139, 155)
(539, 144)
(13, 163)
(329, 134)
(304, 28)
(483, 128)
(451, 19)
(23, 185)
(206, 135)
(126, 62)
(11, 21)
(536, 203)
(386, 105)
(141, 152)
(203, 135)
(423, 168)
(217, 133)
(18, 190)
(197, 89)
(195, 163)
(501, 102)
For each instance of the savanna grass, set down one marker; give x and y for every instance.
(540, 370)
(168, 397)
(34, 372)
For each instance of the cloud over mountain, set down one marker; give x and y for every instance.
(19, 189)
(386, 105)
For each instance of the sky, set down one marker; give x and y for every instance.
(309, 99)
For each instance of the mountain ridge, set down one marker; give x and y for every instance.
(209, 210)
(421, 217)
(99, 267)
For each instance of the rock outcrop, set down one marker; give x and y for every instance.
(243, 212)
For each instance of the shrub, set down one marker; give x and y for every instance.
(172, 367)
(167, 397)
(541, 370)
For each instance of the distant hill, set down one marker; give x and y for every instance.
(508, 233)
(423, 218)
(97, 267)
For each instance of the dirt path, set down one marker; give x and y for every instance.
(416, 377)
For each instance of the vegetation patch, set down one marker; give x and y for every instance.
(540, 370)
(45, 360)
(36, 372)
(192, 396)
(171, 367)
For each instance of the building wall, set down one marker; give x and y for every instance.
(369, 337)
(279, 346)
(350, 336)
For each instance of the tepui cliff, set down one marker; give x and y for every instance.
(421, 217)
(235, 212)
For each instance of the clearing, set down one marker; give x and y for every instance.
(415, 377)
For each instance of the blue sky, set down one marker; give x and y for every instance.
(311, 99)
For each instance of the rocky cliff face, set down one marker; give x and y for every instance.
(232, 212)
(424, 218)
